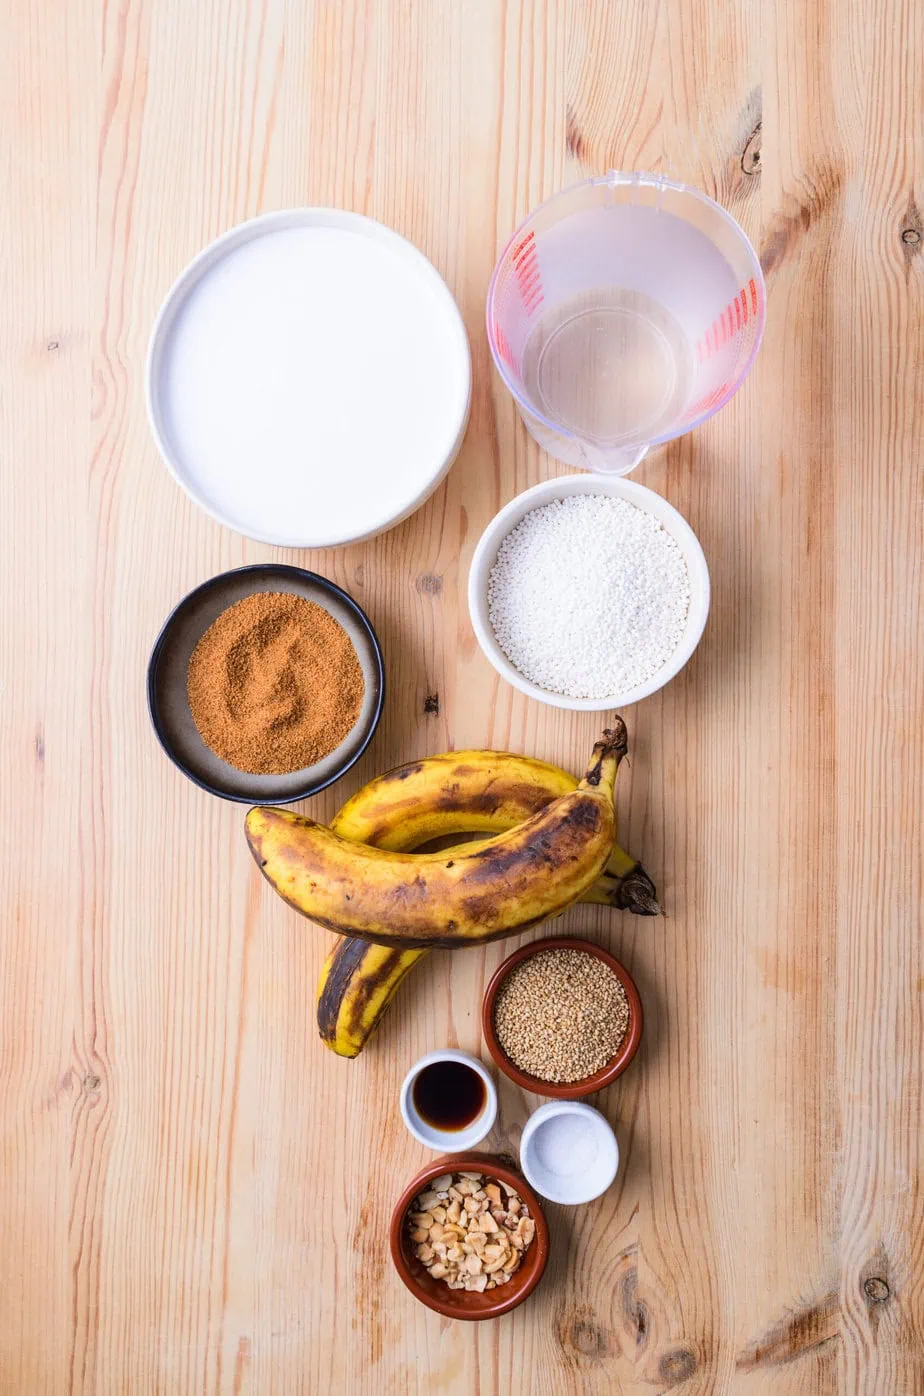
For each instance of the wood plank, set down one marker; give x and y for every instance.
(194, 1196)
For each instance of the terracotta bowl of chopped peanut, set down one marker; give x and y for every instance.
(562, 1017)
(468, 1237)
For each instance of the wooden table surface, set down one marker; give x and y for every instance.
(194, 1195)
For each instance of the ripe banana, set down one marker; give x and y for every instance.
(484, 892)
(469, 792)
(459, 792)
(357, 984)
(442, 796)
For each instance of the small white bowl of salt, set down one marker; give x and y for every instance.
(568, 1152)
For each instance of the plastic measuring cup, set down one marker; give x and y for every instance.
(623, 312)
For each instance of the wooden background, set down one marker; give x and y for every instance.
(193, 1194)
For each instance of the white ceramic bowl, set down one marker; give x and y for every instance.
(508, 518)
(449, 1141)
(568, 1152)
(308, 378)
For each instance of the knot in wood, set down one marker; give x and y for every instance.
(579, 1332)
(677, 1366)
(750, 157)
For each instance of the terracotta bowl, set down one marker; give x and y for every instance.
(574, 1089)
(458, 1303)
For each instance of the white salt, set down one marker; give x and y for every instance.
(589, 596)
(566, 1145)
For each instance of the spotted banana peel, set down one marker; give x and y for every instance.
(472, 792)
(495, 888)
(442, 796)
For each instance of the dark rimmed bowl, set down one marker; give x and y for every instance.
(168, 703)
(573, 1090)
(459, 1303)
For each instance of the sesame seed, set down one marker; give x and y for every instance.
(561, 1015)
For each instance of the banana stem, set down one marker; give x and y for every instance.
(635, 892)
(638, 894)
(612, 747)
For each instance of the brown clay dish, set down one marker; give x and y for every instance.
(460, 1303)
(573, 1090)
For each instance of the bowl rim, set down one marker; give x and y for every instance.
(488, 1115)
(280, 569)
(497, 1168)
(548, 1111)
(615, 486)
(588, 1085)
(299, 215)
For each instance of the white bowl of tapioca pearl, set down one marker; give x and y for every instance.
(588, 593)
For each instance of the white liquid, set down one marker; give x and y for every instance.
(314, 384)
(612, 365)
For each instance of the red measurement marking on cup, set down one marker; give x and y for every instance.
(526, 269)
(705, 404)
(522, 247)
(730, 323)
(504, 349)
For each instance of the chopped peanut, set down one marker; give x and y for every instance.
(468, 1233)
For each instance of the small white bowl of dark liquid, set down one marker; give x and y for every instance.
(448, 1100)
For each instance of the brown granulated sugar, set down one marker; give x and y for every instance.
(274, 684)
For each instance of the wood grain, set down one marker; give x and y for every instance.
(193, 1195)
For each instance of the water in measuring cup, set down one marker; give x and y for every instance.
(611, 365)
